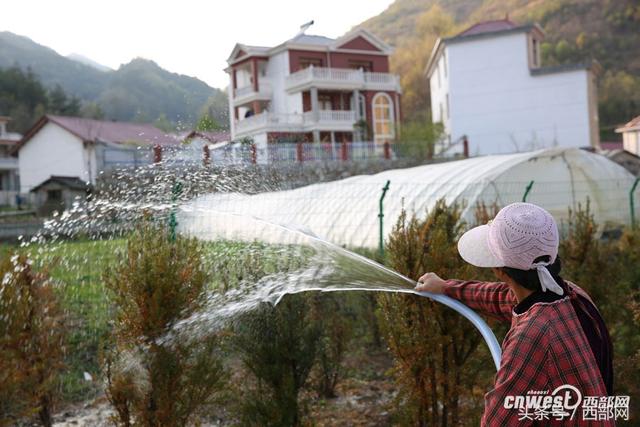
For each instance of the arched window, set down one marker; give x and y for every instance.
(383, 126)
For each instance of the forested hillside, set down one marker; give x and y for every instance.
(140, 90)
(576, 30)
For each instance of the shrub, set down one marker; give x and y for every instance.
(32, 341)
(432, 345)
(151, 381)
(331, 311)
(277, 346)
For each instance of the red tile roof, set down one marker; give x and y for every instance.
(489, 27)
(106, 131)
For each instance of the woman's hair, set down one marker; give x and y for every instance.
(529, 278)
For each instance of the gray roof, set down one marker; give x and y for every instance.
(311, 39)
(71, 182)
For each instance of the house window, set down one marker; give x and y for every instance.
(534, 52)
(383, 118)
(365, 65)
(54, 195)
(324, 102)
(444, 63)
(307, 62)
(447, 105)
(362, 109)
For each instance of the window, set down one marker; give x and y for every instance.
(365, 65)
(383, 118)
(447, 105)
(324, 102)
(362, 109)
(444, 63)
(534, 52)
(54, 195)
(307, 62)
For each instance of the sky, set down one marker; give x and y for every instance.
(184, 36)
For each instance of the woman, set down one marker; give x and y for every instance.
(557, 336)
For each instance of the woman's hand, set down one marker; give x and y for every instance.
(430, 282)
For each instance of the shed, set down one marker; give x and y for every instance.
(58, 193)
(346, 212)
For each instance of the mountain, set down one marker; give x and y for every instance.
(576, 30)
(140, 90)
(88, 61)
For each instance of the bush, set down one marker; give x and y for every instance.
(151, 381)
(32, 341)
(277, 346)
(331, 311)
(432, 345)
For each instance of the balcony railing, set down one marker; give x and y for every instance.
(333, 119)
(341, 78)
(248, 93)
(8, 163)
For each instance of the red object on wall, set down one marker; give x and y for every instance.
(206, 156)
(387, 150)
(344, 151)
(157, 154)
(299, 153)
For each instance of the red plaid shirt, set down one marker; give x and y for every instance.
(545, 348)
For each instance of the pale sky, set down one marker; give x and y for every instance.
(184, 36)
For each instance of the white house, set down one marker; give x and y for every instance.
(74, 147)
(631, 136)
(314, 88)
(487, 84)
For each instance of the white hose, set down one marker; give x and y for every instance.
(478, 322)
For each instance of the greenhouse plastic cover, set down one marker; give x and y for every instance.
(345, 212)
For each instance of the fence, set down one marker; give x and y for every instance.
(239, 153)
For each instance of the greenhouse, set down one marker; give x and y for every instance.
(347, 212)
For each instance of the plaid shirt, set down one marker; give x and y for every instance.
(545, 348)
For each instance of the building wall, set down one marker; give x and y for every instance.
(631, 141)
(51, 151)
(380, 63)
(439, 86)
(497, 102)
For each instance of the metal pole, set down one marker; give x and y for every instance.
(381, 216)
(173, 222)
(632, 206)
(526, 191)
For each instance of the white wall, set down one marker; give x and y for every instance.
(52, 151)
(439, 85)
(502, 108)
(631, 141)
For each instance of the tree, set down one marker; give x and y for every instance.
(32, 342)
(207, 123)
(278, 346)
(433, 346)
(160, 281)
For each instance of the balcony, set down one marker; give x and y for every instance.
(340, 79)
(247, 94)
(329, 120)
(8, 163)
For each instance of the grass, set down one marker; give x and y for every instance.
(77, 268)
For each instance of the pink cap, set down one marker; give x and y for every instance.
(520, 233)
